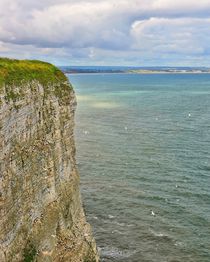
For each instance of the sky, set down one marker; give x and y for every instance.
(111, 32)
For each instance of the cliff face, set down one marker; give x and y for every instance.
(41, 216)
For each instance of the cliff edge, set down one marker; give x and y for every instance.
(41, 216)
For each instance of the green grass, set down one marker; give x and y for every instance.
(29, 254)
(15, 72)
(17, 75)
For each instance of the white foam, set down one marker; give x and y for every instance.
(152, 213)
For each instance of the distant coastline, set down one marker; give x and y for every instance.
(133, 70)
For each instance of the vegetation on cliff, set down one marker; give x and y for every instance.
(14, 74)
(17, 71)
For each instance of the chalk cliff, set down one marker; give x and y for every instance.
(41, 216)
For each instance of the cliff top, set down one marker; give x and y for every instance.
(16, 71)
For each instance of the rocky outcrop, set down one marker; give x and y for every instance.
(41, 215)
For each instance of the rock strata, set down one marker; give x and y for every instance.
(41, 215)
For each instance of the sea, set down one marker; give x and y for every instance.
(143, 153)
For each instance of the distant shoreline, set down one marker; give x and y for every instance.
(72, 70)
(133, 73)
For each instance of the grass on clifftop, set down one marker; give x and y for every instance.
(18, 71)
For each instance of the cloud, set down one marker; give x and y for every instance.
(89, 30)
(179, 35)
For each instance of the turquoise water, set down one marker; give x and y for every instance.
(143, 151)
